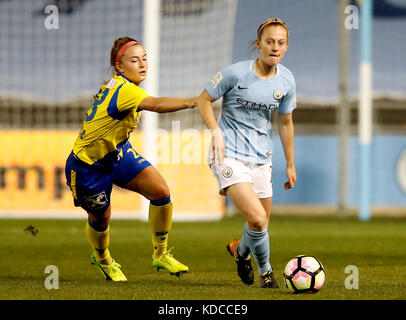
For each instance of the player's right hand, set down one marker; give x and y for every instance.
(217, 144)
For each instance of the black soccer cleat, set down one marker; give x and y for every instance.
(244, 266)
(268, 280)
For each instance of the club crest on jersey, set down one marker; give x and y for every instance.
(277, 94)
(227, 172)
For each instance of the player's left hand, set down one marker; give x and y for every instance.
(291, 174)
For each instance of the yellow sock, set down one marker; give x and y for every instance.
(99, 240)
(160, 223)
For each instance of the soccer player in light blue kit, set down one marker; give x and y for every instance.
(241, 148)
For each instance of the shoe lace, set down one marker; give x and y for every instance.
(168, 256)
(267, 277)
(169, 253)
(114, 268)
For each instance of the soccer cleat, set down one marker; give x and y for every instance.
(168, 262)
(268, 280)
(111, 271)
(244, 267)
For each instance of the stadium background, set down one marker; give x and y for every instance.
(49, 77)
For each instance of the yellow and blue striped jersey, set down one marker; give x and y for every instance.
(109, 122)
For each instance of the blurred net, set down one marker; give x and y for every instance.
(49, 77)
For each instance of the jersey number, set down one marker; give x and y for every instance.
(99, 100)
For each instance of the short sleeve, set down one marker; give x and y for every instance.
(130, 96)
(288, 103)
(222, 82)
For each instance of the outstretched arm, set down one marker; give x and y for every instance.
(286, 133)
(166, 104)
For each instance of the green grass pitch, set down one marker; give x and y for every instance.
(377, 248)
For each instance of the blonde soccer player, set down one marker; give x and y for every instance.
(102, 156)
(241, 148)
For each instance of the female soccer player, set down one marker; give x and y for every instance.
(241, 149)
(103, 156)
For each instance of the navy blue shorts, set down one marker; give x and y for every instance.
(91, 187)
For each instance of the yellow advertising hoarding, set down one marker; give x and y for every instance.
(33, 183)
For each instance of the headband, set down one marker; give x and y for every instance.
(124, 48)
(272, 21)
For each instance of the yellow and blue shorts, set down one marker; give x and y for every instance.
(91, 185)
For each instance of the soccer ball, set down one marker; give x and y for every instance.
(304, 274)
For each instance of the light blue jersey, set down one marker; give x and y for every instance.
(248, 102)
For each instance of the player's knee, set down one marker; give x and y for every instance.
(161, 192)
(99, 223)
(259, 222)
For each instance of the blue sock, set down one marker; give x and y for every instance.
(258, 244)
(243, 247)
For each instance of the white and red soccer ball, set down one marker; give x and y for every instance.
(304, 274)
